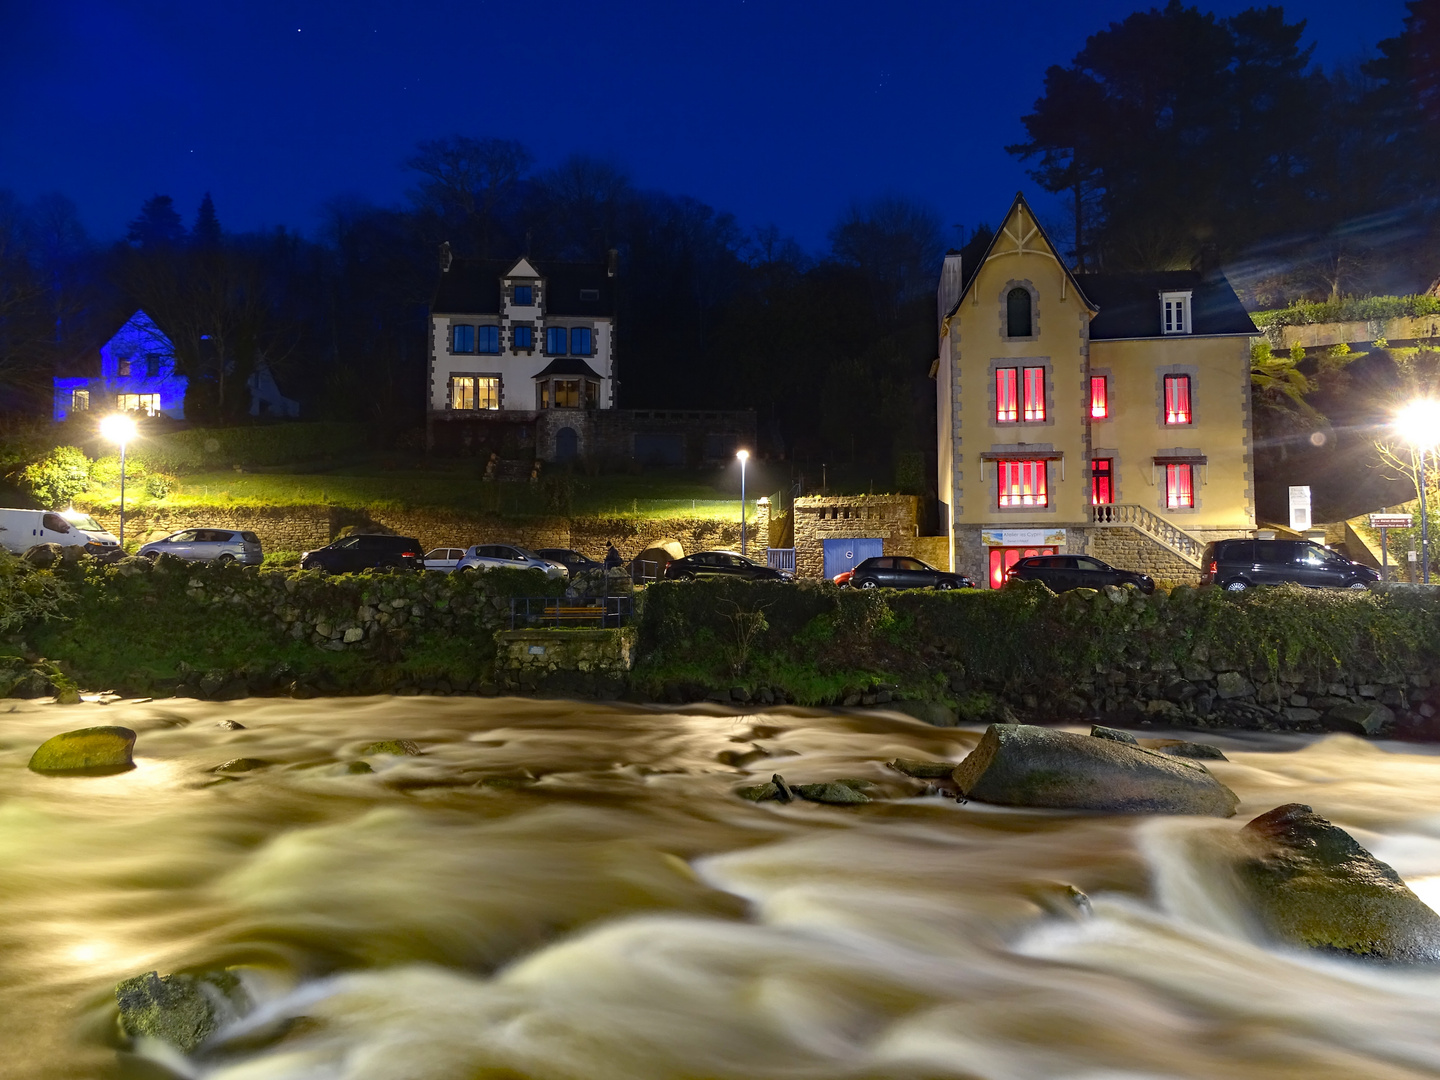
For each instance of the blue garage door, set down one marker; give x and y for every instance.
(842, 555)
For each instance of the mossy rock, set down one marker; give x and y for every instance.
(182, 1010)
(88, 751)
(1023, 765)
(358, 767)
(832, 793)
(759, 792)
(396, 747)
(241, 765)
(1180, 748)
(1313, 886)
(1099, 731)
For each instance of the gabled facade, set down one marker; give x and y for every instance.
(134, 371)
(1089, 414)
(522, 337)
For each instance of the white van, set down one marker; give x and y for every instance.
(21, 530)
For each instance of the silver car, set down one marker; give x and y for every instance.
(491, 556)
(209, 545)
(443, 559)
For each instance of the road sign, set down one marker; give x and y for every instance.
(1299, 509)
(1390, 521)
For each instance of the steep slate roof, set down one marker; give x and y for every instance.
(472, 287)
(84, 362)
(1130, 304)
(568, 365)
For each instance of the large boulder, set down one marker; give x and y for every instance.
(182, 1010)
(95, 750)
(1021, 765)
(1313, 886)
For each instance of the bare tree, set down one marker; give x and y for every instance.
(470, 176)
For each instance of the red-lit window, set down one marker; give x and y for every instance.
(1177, 399)
(1099, 397)
(1034, 393)
(1022, 483)
(1102, 482)
(1007, 397)
(1179, 486)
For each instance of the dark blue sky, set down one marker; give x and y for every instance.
(779, 112)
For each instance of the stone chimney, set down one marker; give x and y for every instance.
(612, 260)
(949, 290)
(446, 257)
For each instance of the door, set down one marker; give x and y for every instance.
(1092, 573)
(1319, 568)
(1002, 558)
(347, 555)
(182, 544)
(842, 555)
(914, 574)
(208, 543)
(1274, 562)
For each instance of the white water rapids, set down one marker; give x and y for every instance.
(626, 917)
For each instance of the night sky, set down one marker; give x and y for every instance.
(778, 112)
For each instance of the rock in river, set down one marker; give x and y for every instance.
(1021, 765)
(95, 750)
(182, 1010)
(396, 747)
(1312, 885)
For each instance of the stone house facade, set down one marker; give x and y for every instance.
(894, 520)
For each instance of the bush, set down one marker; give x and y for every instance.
(1260, 352)
(1338, 351)
(281, 558)
(1297, 352)
(1350, 309)
(158, 485)
(58, 477)
(28, 595)
(272, 444)
(105, 471)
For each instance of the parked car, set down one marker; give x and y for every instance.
(573, 561)
(209, 545)
(843, 578)
(904, 572)
(1241, 564)
(443, 559)
(722, 564)
(509, 556)
(1061, 572)
(20, 530)
(365, 551)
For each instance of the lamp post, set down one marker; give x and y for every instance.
(1419, 425)
(120, 429)
(744, 456)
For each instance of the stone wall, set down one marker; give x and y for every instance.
(292, 528)
(1130, 549)
(891, 518)
(585, 660)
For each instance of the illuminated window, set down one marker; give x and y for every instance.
(567, 394)
(1102, 481)
(1034, 393)
(1179, 487)
(1177, 399)
(475, 392)
(556, 340)
(79, 400)
(1018, 321)
(1007, 409)
(1099, 397)
(524, 296)
(592, 394)
(1022, 483)
(462, 339)
(580, 338)
(487, 339)
(122, 367)
(1175, 312)
(149, 404)
(522, 337)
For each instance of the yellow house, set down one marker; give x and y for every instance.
(1094, 414)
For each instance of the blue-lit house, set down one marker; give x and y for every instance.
(134, 371)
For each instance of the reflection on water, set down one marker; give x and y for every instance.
(568, 891)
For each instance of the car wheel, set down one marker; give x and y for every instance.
(946, 585)
(312, 564)
(1236, 586)
(225, 560)
(867, 584)
(1359, 585)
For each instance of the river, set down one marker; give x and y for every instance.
(571, 891)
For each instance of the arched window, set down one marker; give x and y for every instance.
(1017, 313)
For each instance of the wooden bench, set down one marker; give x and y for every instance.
(575, 613)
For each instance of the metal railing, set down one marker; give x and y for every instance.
(780, 559)
(603, 611)
(644, 572)
(1152, 525)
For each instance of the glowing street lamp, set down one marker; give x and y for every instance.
(119, 428)
(744, 456)
(1419, 425)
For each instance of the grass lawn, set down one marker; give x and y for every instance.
(653, 495)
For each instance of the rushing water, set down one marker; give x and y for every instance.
(623, 916)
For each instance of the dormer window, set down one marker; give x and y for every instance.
(589, 294)
(1175, 312)
(524, 296)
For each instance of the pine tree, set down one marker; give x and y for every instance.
(158, 225)
(206, 231)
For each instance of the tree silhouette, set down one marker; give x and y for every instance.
(158, 226)
(206, 232)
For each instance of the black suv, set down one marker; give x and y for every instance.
(1061, 572)
(365, 551)
(1240, 564)
(903, 572)
(729, 564)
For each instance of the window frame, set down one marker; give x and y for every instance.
(1174, 412)
(1178, 304)
(1011, 313)
(455, 333)
(1102, 382)
(1033, 395)
(589, 338)
(1179, 484)
(527, 291)
(1011, 477)
(79, 400)
(1007, 395)
(552, 333)
(515, 343)
(1102, 473)
(493, 332)
(477, 392)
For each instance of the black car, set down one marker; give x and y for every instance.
(722, 564)
(1061, 572)
(572, 560)
(903, 572)
(1237, 565)
(364, 551)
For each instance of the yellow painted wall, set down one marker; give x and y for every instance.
(1220, 394)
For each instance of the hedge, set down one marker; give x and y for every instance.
(1349, 309)
(200, 449)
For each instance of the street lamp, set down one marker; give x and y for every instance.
(1419, 425)
(744, 456)
(119, 428)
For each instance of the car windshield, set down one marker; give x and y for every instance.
(83, 521)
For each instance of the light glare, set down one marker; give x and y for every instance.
(118, 428)
(1419, 423)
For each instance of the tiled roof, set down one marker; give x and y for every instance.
(1130, 304)
(472, 287)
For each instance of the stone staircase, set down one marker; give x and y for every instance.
(1151, 525)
